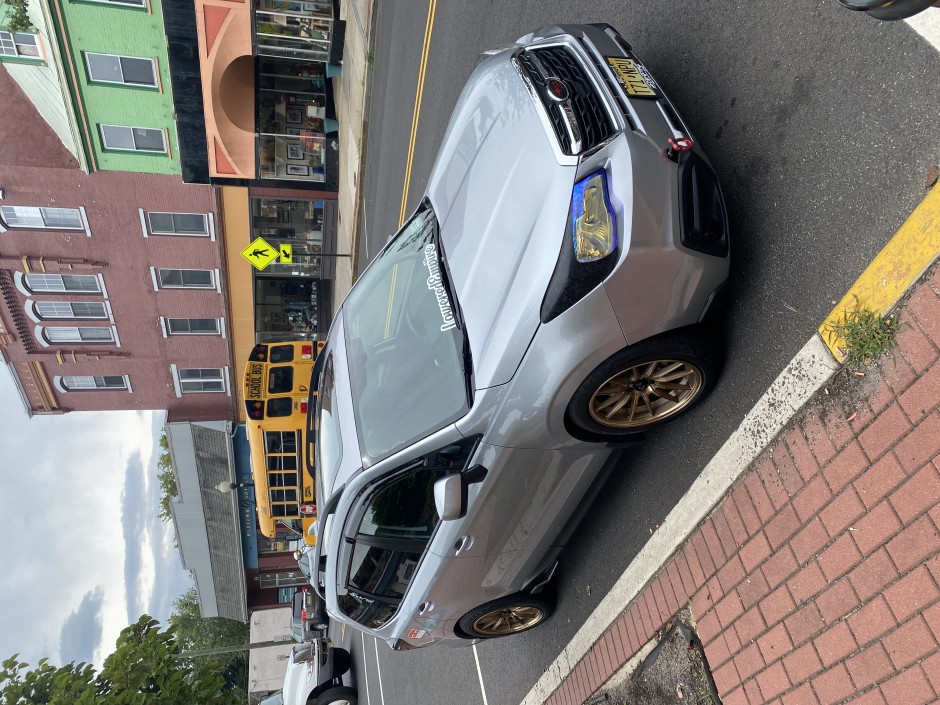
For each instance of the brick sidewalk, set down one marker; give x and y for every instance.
(815, 580)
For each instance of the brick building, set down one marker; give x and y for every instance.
(111, 282)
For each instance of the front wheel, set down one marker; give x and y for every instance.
(338, 696)
(645, 385)
(508, 615)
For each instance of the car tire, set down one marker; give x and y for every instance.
(508, 615)
(341, 662)
(344, 695)
(900, 9)
(616, 400)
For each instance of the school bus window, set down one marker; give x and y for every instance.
(284, 495)
(281, 462)
(280, 406)
(281, 380)
(283, 510)
(280, 442)
(283, 479)
(281, 353)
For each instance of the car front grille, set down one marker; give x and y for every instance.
(594, 124)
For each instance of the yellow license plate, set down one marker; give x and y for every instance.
(634, 77)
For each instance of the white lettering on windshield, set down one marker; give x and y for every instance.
(436, 285)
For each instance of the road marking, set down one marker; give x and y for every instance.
(476, 658)
(378, 668)
(428, 29)
(365, 668)
(801, 378)
(927, 25)
(906, 256)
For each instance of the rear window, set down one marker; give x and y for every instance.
(282, 406)
(281, 353)
(281, 380)
(384, 572)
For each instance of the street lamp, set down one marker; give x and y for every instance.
(227, 486)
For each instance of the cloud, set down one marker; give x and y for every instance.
(81, 632)
(135, 506)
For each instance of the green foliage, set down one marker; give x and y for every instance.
(194, 632)
(143, 670)
(166, 479)
(867, 335)
(17, 17)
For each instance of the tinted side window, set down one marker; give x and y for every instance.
(281, 380)
(379, 571)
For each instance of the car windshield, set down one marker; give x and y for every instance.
(409, 365)
(328, 441)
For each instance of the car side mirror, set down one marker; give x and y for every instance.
(449, 497)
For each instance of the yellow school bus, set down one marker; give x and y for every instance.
(277, 384)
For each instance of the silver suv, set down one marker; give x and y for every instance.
(547, 300)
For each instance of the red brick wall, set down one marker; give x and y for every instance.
(118, 250)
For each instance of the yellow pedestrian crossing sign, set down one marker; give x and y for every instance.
(260, 254)
(287, 254)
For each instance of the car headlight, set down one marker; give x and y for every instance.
(592, 220)
(589, 250)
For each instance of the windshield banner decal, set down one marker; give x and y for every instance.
(436, 285)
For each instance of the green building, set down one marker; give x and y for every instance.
(112, 57)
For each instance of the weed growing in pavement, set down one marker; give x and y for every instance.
(867, 335)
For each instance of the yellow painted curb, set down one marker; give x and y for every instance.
(912, 249)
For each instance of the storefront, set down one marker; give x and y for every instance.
(266, 70)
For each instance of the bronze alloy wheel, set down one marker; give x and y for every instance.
(508, 620)
(646, 393)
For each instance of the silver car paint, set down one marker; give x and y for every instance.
(525, 371)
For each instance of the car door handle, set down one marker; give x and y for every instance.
(463, 544)
(425, 607)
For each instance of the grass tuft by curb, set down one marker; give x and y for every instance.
(867, 336)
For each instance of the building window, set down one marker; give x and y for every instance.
(42, 218)
(70, 309)
(186, 278)
(178, 224)
(140, 4)
(201, 379)
(125, 70)
(193, 326)
(78, 283)
(78, 334)
(19, 45)
(112, 383)
(133, 139)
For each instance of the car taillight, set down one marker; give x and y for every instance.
(303, 613)
(306, 352)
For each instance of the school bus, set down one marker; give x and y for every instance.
(277, 383)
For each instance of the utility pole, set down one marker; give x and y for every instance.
(232, 649)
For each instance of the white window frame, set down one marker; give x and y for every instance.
(61, 383)
(153, 67)
(22, 282)
(148, 229)
(17, 55)
(41, 216)
(104, 140)
(144, 5)
(167, 324)
(42, 334)
(158, 278)
(176, 372)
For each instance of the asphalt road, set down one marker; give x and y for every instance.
(821, 125)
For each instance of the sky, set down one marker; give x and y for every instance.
(83, 552)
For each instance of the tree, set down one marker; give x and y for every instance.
(143, 670)
(166, 478)
(17, 17)
(195, 632)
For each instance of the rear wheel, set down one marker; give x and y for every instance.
(508, 615)
(343, 695)
(645, 385)
(341, 662)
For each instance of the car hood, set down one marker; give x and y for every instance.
(501, 197)
(300, 679)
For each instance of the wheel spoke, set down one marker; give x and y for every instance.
(668, 370)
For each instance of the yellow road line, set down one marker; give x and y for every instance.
(912, 249)
(416, 115)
